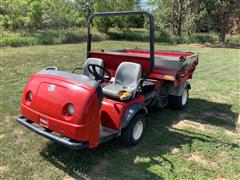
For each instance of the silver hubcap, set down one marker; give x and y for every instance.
(184, 97)
(137, 130)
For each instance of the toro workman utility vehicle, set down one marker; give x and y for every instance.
(112, 96)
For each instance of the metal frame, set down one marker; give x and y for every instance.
(126, 13)
(62, 140)
(44, 132)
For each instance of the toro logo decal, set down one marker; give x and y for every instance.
(51, 88)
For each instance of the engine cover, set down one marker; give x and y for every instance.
(52, 92)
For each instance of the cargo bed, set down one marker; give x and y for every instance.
(169, 60)
(175, 66)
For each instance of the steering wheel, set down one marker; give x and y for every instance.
(105, 76)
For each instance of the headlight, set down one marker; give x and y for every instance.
(29, 96)
(70, 109)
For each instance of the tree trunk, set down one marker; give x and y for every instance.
(179, 28)
(222, 34)
(179, 17)
(223, 28)
(189, 31)
(173, 18)
(105, 29)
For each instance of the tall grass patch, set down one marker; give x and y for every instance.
(163, 37)
(49, 37)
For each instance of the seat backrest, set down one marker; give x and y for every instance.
(128, 74)
(96, 61)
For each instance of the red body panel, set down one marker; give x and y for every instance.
(112, 111)
(82, 126)
(157, 53)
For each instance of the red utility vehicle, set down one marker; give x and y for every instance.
(112, 96)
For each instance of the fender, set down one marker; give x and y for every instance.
(178, 91)
(131, 111)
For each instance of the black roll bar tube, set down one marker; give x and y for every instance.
(126, 13)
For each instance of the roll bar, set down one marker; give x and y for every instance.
(126, 13)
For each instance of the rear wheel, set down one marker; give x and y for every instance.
(179, 102)
(134, 133)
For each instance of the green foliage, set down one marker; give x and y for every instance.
(162, 11)
(40, 14)
(103, 24)
(140, 36)
(220, 13)
(188, 16)
(17, 41)
(163, 37)
(31, 15)
(196, 38)
(35, 14)
(75, 36)
(49, 37)
(176, 17)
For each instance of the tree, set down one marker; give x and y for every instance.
(178, 12)
(104, 23)
(220, 12)
(193, 13)
(62, 14)
(14, 14)
(35, 13)
(169, 14)
(162, 11)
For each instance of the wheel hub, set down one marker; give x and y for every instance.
(184, 97)
(137, 130)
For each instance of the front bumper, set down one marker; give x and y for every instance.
(46, 133)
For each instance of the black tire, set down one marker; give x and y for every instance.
(177, 102)
(127, 134)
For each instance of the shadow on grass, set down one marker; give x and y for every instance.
(159, 139)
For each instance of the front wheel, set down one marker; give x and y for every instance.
(134, 133)
(179, 102)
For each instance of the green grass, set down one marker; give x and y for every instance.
(200, 142)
